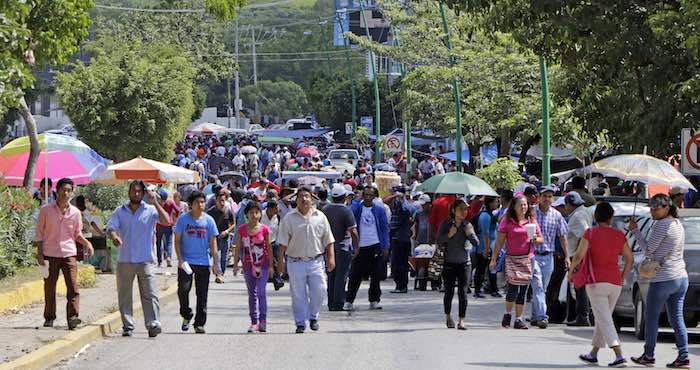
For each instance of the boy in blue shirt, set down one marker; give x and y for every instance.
(195, 241)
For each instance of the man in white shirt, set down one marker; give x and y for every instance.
(305, 237)
(580, 219)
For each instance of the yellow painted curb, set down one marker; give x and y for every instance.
(33, 292)
(67, 346)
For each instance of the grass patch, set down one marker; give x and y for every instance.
(23, 275)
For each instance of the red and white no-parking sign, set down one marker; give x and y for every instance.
(690, 164)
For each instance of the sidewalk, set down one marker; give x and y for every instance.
(21, 332)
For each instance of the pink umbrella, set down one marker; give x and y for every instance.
(307, 151)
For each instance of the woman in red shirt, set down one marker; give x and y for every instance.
(604, 244)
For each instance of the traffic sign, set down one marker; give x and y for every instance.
(348, 128)
(367, 121)
(690, 164)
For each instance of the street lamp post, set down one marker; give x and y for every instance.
(455, 90)
(325, 46)
(546, 153)
(349, 61)
(377, 108)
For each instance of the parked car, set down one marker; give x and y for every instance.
(344, 157)
(631, 304)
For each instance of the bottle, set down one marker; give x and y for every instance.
(186, 268)
(45, 269)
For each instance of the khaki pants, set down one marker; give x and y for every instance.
(603, 297)
(147, 289)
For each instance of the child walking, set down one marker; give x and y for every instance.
(254, 243)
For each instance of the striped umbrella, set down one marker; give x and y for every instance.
(60, 156)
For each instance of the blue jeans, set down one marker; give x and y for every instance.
(307, 283)
(222, 248)
(542, 268)
(338, 278)
(164, 243)
(672, 294)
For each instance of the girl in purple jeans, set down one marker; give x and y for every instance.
(254, 243)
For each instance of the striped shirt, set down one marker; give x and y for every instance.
(666, 236)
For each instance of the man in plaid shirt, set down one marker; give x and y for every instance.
(553, 226)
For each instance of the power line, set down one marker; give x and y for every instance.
(194, 10)
(298, 59)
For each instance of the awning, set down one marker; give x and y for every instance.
(275, 140)
(296, 134)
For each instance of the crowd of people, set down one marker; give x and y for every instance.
(324, 241)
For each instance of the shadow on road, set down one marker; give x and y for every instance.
(524, 366)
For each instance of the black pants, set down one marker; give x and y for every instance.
(399, 263)
(482, 263)
(555, 309)
(200, 275)
(459, 273)
(368, 262)
(578, 309)
(516, 293)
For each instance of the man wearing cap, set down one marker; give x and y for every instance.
(677, 196)
(400, 236)
(553, 227)
(421, 225)
(344, 231)
(580, 219)
(305, 237)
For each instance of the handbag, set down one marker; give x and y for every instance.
(584, 274)
(650, 265)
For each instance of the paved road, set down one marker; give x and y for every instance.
(408, 333)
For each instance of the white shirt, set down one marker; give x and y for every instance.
(368, 228)
(273, 224)
(305, 236)
(580, 220)
(439, 168)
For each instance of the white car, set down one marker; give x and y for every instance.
(344, 157)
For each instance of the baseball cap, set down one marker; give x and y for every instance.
(530, 191)
(338, 191)
(573, 198)
(424, 199)
(675, 191)
(559, 202)
(547, 188)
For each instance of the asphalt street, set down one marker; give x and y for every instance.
(409, 333)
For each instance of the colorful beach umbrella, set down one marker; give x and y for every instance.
(150, 171)
(60, 156)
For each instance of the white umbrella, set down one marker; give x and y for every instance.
(249, 149)
(642, 168)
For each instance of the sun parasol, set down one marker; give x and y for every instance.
(60, 156)
(307, 151)
(249, 149)
(208, 129)
(456, 183)
(149, 171)
(642, 168)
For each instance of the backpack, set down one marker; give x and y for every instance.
(475, 222)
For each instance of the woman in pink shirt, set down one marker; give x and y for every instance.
(512, 231)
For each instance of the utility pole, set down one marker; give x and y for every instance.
(377, 108)
(255, 66)
(546, 153)
(325, 45)
(237, 83)
(228, 100)
(455, 90)
(406, 123)
(352, 80)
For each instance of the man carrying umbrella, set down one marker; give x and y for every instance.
(131, 230)
(57, 230)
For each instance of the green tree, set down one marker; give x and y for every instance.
(284, 99)
(131, 100)
(36, 33)
(632, 65)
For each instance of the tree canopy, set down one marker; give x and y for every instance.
(284, 99)
(130, 100)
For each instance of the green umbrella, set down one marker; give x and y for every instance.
(456, 183)
(272, 140)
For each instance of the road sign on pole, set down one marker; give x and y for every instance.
(690, 151)
(348, 128)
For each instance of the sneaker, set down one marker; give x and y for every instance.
(127, 333)
(348, 307)
(588, 359)
(506, 320)
(219, 280)
(185, 324)
(478, 295)
(399, 291)
(542, 324)
(154, 330)
(496, 295)
(199, 330)
(679, 364)
(643, 360)
(253, 328)
(313, 324)
(48, 323)
(262, 327)
(533, 322)
(375, 306)
(618, 363)
(169, 263)
(73, 322)
(519, 324)
(577, 323)
(300, 329)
